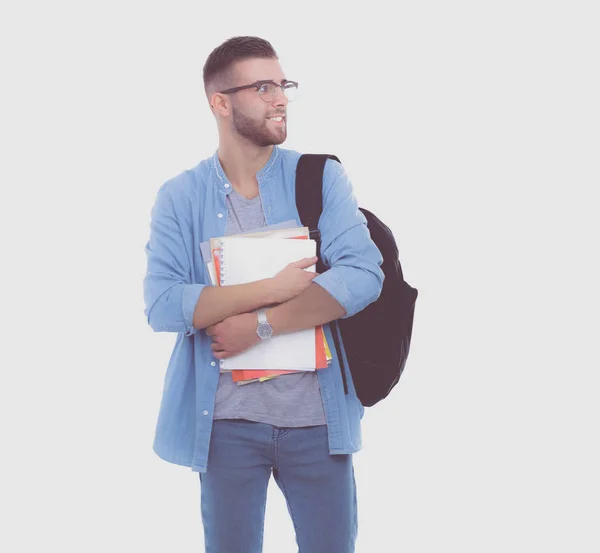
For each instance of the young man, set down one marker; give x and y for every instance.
(301, 427)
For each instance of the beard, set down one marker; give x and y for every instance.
(257, 132)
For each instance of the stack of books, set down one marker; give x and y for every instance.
(252, 256)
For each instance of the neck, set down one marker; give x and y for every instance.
(241, 160)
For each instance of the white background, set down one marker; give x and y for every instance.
(470, 128)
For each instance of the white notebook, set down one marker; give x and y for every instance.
(247, 260)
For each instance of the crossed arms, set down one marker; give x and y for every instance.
(354, 280)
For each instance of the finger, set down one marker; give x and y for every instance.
(305, 262)
(210, 330)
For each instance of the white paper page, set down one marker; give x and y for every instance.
(250, 259)
(205, 246)
(210, 266)
(294, 350)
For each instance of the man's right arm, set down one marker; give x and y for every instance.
(174, 304)
(216, 303)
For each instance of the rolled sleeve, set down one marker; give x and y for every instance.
(336, 287)
(189, 299)
(169, 295)
(355, 278)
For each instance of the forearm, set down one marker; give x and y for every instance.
(313, 307)
(216, 303)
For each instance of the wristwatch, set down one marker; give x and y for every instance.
(263, 329)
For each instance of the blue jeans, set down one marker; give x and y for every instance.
(319, 488)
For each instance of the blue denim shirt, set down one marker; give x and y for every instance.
(189, 209)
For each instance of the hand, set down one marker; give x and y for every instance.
(292, 280)
(233, 335)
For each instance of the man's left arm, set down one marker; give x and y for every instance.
(354, 279)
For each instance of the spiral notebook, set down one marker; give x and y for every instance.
(275, 230)
(285, 233)
(244, 259)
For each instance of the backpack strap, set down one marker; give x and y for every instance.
(309, 195)
(309, 201)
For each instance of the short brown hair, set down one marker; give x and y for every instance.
(217, 69)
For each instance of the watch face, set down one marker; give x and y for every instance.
(264, 330)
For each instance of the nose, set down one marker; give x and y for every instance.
(279, 99)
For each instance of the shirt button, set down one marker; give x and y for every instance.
(205, 412)
(226, 185)
(213, 363)
(220, 215)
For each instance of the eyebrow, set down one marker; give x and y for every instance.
(271, 81)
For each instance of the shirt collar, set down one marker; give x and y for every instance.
(221, 178)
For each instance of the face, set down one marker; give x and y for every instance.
(249, 112)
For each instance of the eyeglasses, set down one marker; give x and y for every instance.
(268, 89)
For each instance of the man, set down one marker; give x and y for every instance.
(301, 427)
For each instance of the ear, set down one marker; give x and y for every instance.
(219, 103)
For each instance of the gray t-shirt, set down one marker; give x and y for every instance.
(287, 400)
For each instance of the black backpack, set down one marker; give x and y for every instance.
(376, 339)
